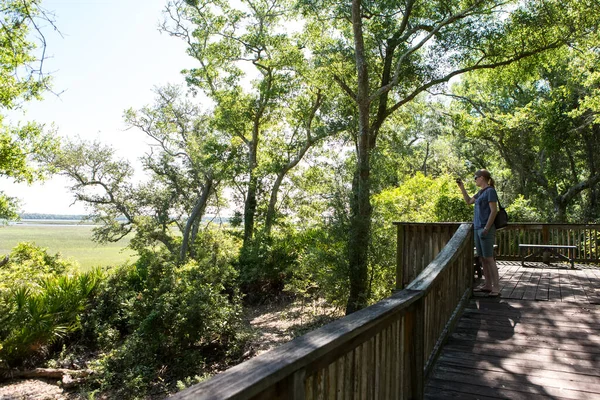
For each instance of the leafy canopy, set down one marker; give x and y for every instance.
(21, 80)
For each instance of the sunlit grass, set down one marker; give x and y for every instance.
(70, 241)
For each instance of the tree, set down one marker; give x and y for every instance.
(264, 89)
(21, 79)
(192, 158)
(536, 115)
(101, 182)
(385, 54)
(186, 164)
(416, 138)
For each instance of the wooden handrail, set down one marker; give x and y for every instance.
(418, 243)
(383, 351)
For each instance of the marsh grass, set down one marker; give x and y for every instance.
(71, 241)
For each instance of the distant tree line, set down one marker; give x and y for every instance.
(73, 217)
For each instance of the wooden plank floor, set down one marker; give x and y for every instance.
(537, 281)
(541, 340)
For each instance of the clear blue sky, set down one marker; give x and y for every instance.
(109, 59)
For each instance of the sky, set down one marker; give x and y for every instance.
(110, 58)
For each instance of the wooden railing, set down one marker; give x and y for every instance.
(384, 351)
(417, 245)
(585, 237)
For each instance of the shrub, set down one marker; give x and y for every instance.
(40, 304)
(28, 262)
(321, 270)
(453, 208)
(419, 199)
(521, 210)
(265, 265)
(166, 321)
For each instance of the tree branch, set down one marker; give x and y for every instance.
(475, 67)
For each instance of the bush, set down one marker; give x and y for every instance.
(28, 262)
(521, 210)
(321, 270)
(452, 209)
(40, 304)
(158, 322)
(265, 265)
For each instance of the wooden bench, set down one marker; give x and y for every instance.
(543, 248)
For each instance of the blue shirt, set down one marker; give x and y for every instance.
(482, 206)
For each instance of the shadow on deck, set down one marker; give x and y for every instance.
(540, 340)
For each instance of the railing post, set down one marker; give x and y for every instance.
(297, 391)
(416, 348)
(400, 257)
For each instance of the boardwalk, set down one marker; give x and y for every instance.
(541, 340)
(555, 283)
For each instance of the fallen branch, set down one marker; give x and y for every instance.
(48, 373)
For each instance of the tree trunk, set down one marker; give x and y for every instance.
(593, 206)
(592, 145)
(46, 373)
(273, 202)
(360, 226)
(196, 214)
(250, 210)
(275, 190)
(561, 211)
(360, 217)
(250, 203)
(562, 201)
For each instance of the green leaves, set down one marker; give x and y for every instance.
(537, 115)
(21, 79)
(41, 302)
(16, 53)
(166, 320)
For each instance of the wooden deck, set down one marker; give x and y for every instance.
(540, 340)
(558, 282)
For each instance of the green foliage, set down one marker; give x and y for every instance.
(266, 264)
(41, 301)
(537, 115)
(414, 139)
(158, 322)
(452, 208)
(419, 198)
(29, 263)
(21, 79)
(521, 210)
(316, 227)
(414, 200)
(17, 19)
(8, 208)
(321, 268)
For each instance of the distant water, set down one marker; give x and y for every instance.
(80, 222)
(51, 222)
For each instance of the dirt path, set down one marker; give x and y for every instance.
(280, 322)
(33, 389)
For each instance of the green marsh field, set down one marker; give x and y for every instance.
(71, 240)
